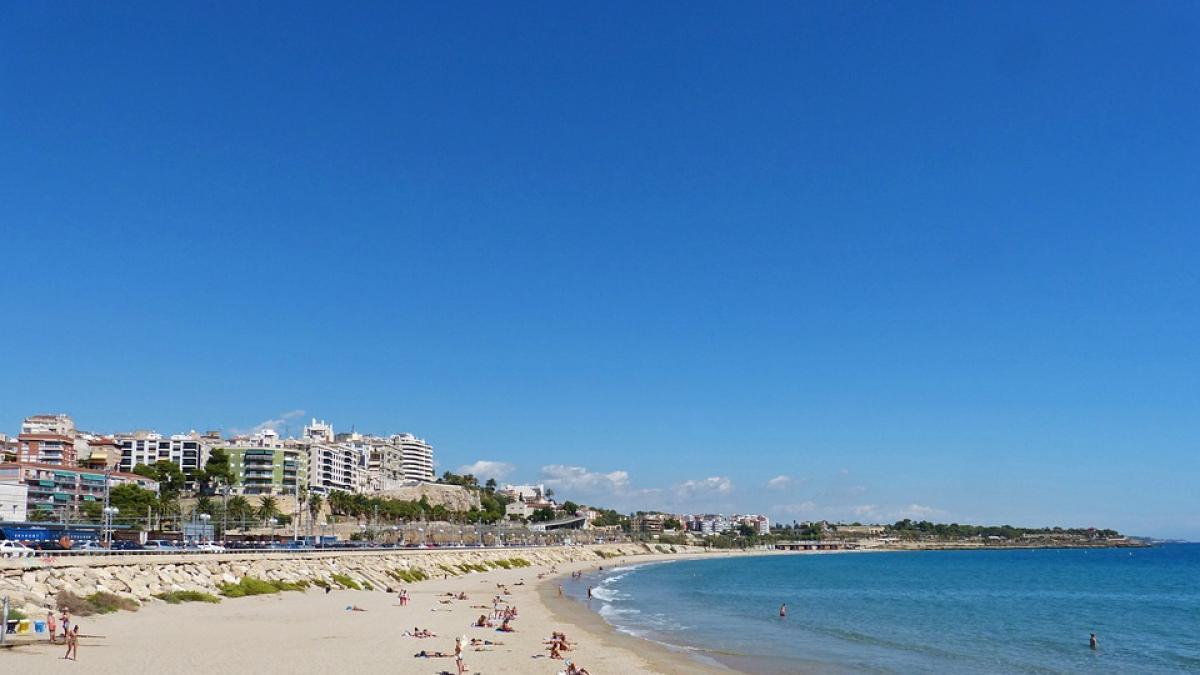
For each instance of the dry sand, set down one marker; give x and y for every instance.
(312, 632)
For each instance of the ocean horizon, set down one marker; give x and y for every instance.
(989, 611)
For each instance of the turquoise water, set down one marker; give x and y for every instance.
(911, 612)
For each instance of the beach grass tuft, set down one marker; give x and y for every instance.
(346, 582)
(107, 603)
(448, 569)
(177, 597)
(101, 602)
(248, 586)
(290, 585)
(408, 576)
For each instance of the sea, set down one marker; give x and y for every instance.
(989, 611)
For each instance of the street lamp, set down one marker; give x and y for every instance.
(420, 537)
(273, 522)
(109, 512)
(204, 518)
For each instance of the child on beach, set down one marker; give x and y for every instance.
(52, 626)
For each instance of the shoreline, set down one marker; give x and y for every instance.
(659, 657)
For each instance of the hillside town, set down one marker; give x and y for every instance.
(337, 484)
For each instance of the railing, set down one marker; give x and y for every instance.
(51, 556)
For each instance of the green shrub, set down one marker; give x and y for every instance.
(367, 586)
(107, 603)
(289, 585)
(408, 576)
(248, 586)
(346, 582)
(448, 569)
(320, 583)
(503, 563)
(74, 604)
(520, 562)
(176, 597)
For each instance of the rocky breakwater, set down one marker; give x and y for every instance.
(32, 584)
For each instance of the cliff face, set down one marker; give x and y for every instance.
(452, 497)
(32, 583)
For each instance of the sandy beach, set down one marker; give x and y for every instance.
(314, 632)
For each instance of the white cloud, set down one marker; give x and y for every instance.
(867, 510)
(276, 423)
(714, 486)
(919, 511)
(486, 468)
(578, 479)
(779, 482)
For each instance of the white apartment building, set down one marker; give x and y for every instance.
(57, 425)
(334, 466)
(416, 457)
(187, 451)
(525, 493)
(319, 432)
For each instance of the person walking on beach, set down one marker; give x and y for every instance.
(783, 611)
(560, 590)
(72, 640)
(589, 592)
(1093, 641)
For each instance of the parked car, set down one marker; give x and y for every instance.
(15, 549)
(209, 547)
(126, 545)
(90, 546)
(160, 545)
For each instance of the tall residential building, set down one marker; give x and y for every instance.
(416, 459)
(187, 451)
(56, 425)
(333, 466)
(268, 469)
(48, 439)
(60, 490)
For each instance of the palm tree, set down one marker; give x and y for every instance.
(267, 508)
(239, 509)
(314, 506)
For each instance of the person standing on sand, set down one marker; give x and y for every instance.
(72, 640)
(52, 626)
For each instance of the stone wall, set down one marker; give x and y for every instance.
(32, 583)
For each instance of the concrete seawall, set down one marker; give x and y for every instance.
(32, 583)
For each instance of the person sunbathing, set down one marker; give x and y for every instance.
(476, 642)
(506, 627)
(430, 655)
(481, 622)
(419, 633)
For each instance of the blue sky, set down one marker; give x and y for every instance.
(931, 261)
